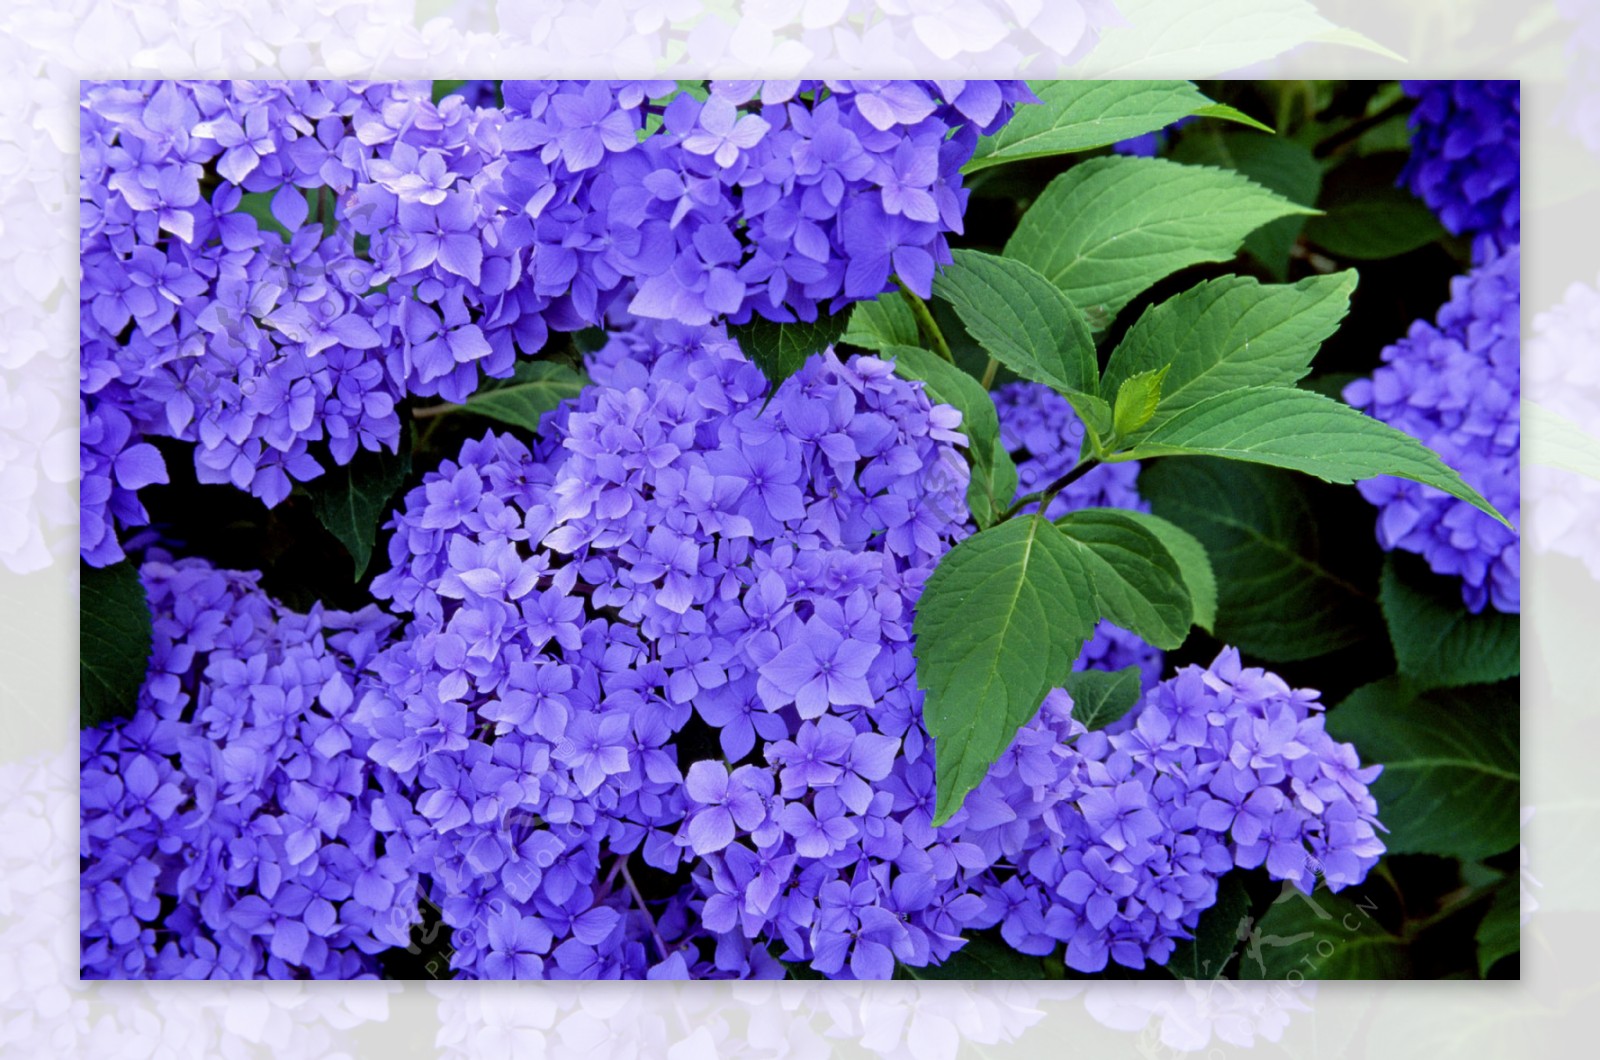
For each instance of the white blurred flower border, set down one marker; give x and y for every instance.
(45, 47)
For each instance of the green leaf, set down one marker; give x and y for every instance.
(994, 475)
(1137, 582)
(535, 387)
(1228, 333)
(1450, 781)
(1500, 933)
(351, 500)
(1305, 432)
(1227, 113)
(1322, 936)
(780, 349)
(1206, 955)
(1137, 398)
(1000, 623)
(883, 322)
(999, 489)
(1108, 228)
(113, 641)
(1278, 595)
(1193, 562)
(1083, 115)
(1366, 217)
(1277, 164)
(1438, 643)
(589, 340)
(1093, 410)
(1025, 323)
(1100, 697)
(984, 957)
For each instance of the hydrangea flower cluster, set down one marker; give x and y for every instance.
(447, 237)
(1466, 158)
(231, 828)
(679, 626)
(1455, 385)
(197, 324)
(1043, 435)
(673, 559)
(1219, 767)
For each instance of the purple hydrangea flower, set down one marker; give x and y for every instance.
(1466, 158)
(234, 826)
(1456, 385)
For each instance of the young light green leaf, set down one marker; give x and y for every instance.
(1000, 623)
(1137, 582)
(1108, 228)
(1450, 777)
(1100, 697)
(1228, 333)
(114, 636)
(994, 475)
(1280, 595)
(1082, 115)
(535, 387)
(780, 349)
(1437, 642)
(1193, 562)
(1137, 398)
(1323, 936)
(350, 500)
(1025, 323)
(883, 322)
(1305, 432)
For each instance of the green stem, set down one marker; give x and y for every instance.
(925, 321)
(1359, 128)
(989, 371)
(1048, 494)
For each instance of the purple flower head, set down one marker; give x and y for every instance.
(821, 669)
(1466, 158)
(723, 132)
(1456, 385)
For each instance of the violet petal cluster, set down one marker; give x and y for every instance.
(1219, 767)
(1456, 386)
(674, 637)
(449, 237)
(232, 827)
(1466, 158)
(673, 559)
